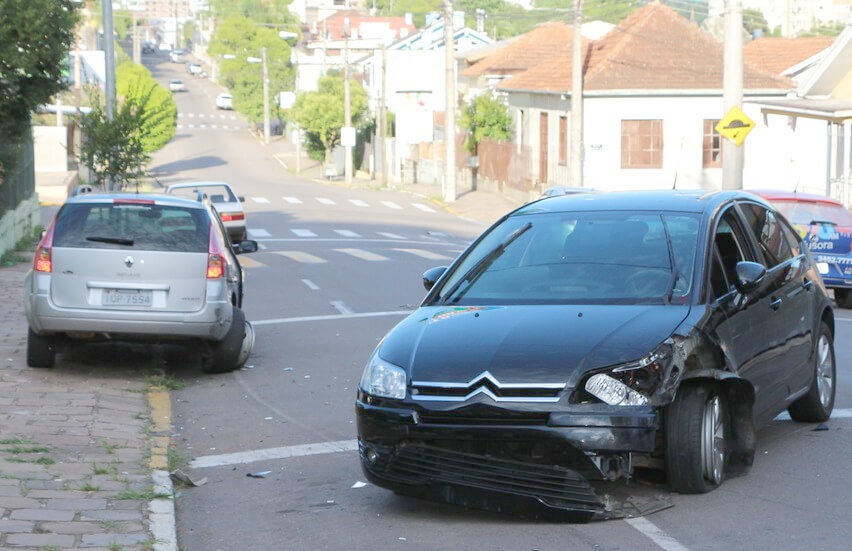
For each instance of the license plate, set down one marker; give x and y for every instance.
(126, 297)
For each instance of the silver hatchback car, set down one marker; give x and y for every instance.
(138, 268)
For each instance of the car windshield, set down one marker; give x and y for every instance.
(216, 194)
(804, 213)
(132, 226)
(580, 258)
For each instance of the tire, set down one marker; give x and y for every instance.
(816, 405)
(41, 350)
(697, 434)
(843, 297)
(224, 356)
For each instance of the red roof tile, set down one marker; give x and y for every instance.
(543, 42)
(775, 54)
(653, 48)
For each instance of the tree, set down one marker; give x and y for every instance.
(321, 113)
(753, 21)
(157, 123)
(35, 38)
(485, 117)
(242, 38)
(113, 149)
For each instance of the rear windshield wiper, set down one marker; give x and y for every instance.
(113, 240)
(479, 268)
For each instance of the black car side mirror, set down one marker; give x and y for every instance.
(749, 276)
(432, 275)
(245, 246)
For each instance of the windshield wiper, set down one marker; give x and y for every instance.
(113, 240)
(479, 268)
(675, 271)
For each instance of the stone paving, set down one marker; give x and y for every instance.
(74, 444)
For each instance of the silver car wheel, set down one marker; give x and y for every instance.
(825, 371)
(713, 440)
(246, 346)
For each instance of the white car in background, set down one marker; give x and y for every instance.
(224, 101)
(227, 203)
(176, 85)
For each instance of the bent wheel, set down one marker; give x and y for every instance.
(224, 355)
(696, 439)
(816, 405)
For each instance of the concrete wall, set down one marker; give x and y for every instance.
(19, 223)
(51, 148)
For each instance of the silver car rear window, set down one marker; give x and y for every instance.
(132, 226)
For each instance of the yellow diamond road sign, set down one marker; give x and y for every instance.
(735, 126)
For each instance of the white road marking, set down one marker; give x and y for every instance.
(363, 255)
(390, 235)
(836, 414)
(391, 205)
(260, 200)
(424, 208)
(304, 233)
(191, 115)
(248, 262)
(258, 232)
(424, 254)
(293, 200)
(311, 285)
(346, 233)
(325, 201)
(303, 257)
(655, 534)
(341, 307)
(213, 126)
(334, 317)
(274, 453)
(843, 319)
(190, 126)
(359, 203)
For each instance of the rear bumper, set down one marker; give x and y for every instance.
(548, 465)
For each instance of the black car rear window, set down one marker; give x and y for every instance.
(132, 226)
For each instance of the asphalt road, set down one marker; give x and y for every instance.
(338, 268)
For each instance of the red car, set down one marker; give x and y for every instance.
(826, 226)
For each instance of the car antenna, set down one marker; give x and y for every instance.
(674, 185)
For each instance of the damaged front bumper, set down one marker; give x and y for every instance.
(519, 461)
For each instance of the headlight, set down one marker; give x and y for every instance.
(632, 383)
(383, 379)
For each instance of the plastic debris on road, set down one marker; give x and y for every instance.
(261, 474)
(183, 478)
(359, 484)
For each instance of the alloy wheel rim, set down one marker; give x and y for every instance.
(713, 440)
(825, 371)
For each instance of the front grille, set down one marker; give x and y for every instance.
(553, 485)
(479, 418)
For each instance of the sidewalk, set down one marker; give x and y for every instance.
(483, 206)
(76, 466)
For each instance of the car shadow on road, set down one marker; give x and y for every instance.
(192, 163)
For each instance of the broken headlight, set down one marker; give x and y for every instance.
(630, 384)
(383, 379)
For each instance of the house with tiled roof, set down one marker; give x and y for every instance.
(784, 56)
(652, 96)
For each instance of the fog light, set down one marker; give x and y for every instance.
(371, 455)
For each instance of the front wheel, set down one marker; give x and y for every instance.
(816, 405)
(696, 439)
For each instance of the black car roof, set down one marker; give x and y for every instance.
(697, 201)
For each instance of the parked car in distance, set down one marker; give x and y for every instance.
(583, 335)
(141, 269)
(227, 203)
(566, 190)
(826, 226)
(176, 56)
(148, 48)
(224, 101)
(176, 85)
(194, 68)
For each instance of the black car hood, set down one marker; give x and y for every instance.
(525, 344)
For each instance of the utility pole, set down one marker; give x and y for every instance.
(109, 62)
(137, 54)
(265, 96)
(733, 156)
(347, 106)
(383, 120)
(449, 188)
(577, 147)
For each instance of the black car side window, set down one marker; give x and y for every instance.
(728, 250)
(767, 229)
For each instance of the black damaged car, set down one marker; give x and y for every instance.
(584, 336)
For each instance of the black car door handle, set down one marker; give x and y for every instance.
(775, 303)
(808, 285)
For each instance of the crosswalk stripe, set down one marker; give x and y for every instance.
(303, 257)
(363, 255)
(424, 208)
(260, 200)
(346, 233)
(303, 233)
(248, 262)
(424, 254)
(292, 200)
(359, 203)
(390, 235)
(391, 205)
(311, 285)
(325, 201)
(258, 232)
